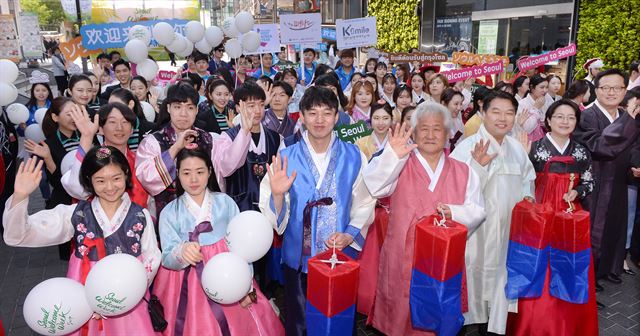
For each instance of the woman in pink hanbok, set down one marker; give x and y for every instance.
(192, 231)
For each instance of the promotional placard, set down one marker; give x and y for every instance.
(351, 133)
(465, 58)
(488, 37)
(74, 49)
(269, 38)
(115, 35)
(423, 57)
(30, 38)
(354, 33)
(535, 61)
(474, 71)
(300, 28)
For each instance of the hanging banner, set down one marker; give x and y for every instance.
(535, 61)
(115, 35)
(355, 33)
(300, 28)
(465, 58)
(30, 38)
(475, 71)
(111, 11)
(269, 39)
(73, 49)
(453, 33)
(422, 57)
(71, 12)
(9, 43)
(488, 37)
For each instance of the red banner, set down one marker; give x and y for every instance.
(475, 71)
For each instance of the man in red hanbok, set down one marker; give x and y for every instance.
(421, 180)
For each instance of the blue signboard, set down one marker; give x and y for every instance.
(115, 35)
(329, 33)
(319, 46)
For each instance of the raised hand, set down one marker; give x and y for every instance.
(539, 103)
(523, 138)
(247, 116)
(41, 149)
(278, 179)
(83, 123)
(480, 153)
(27, 179)
(268, 91)
(399, 140)
(523, 116)
(635, 172)
(182, 141)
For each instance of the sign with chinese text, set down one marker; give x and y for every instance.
(115, 35)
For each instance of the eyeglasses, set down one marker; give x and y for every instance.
(616, 89)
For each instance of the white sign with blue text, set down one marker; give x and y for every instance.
(354, 33)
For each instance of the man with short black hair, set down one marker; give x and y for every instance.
(114, 56)
(346, 68)
(122, 70)
(307, 67)
(609, 133)
(320, 171)
(276, 117)
(216, 59)
(507, 177)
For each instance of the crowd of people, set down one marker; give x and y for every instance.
(254, 134)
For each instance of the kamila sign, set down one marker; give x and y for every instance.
(356, 33)
(532, 62)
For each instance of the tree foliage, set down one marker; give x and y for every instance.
(49, 11)
(609, 30)
(397, 24)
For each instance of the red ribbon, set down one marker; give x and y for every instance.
(98, 243)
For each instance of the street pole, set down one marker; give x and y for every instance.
(571, 63)
(79, 22)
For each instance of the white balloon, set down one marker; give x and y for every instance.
(8, 93)
(194, 31)
(163, 33)
(229, 27)
(249, 235)
(56, 306)
(17, 113)
(149, 112)
(226, 278)
(244, 22)
(39, 114)
(9, 71)
(188, 50)
(148, 69)
(251, 41)
(141, 33)
(179, 43)
(34, 132)
(116, 284)
(214, 36)
(136, 51)
(67, 161)
(233, 48)
(203, 46)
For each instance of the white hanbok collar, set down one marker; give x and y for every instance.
(559, 148)
(380, 144)
(201, 213)
(261, 147)
(321, 160)
(109, 226)
(606, 113)
(495, 146)
(434, 176)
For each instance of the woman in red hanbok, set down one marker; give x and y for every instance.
(564, 175)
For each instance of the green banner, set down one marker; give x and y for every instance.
(353, 132)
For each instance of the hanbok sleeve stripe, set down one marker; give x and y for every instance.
(161, 168)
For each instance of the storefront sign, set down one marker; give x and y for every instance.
(73, 49)
(269, 38)
(422, 57)
(453, 33)
(475, 71)
(353, 132)
(354, 33)
(328, 34)
(115, 35)
(300, 28)
(464, 58)
(488, 37)
(532, 62)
